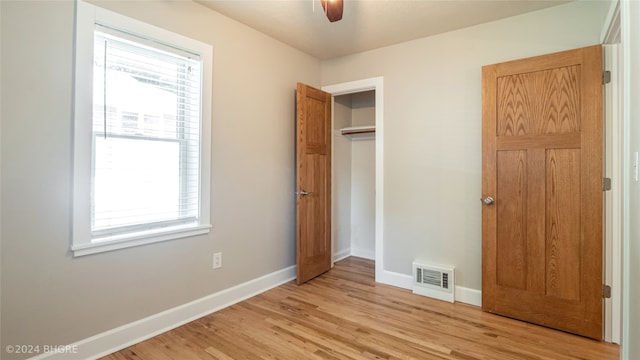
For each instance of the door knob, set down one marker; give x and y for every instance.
(303, 193)
(488, 200)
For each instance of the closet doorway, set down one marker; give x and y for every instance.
(354, 160)
(357, 170)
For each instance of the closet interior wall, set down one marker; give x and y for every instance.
(354, 177)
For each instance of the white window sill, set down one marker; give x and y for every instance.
(109, 243)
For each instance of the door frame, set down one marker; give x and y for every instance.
(613, 137)
(630, 54)
(357, 86)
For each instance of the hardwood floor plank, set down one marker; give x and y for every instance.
(344, 314)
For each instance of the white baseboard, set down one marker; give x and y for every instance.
(395, 279)
(463, 294)
(345, 253)
(342, 254)
(121, 337)
(363, 253)
(469, 296)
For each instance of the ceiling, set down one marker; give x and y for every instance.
(366, 24)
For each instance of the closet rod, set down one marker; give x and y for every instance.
(355, 132)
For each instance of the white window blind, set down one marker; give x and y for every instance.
(145, 134)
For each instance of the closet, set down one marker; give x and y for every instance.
(354, 175)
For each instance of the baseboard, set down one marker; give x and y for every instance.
(395, 279)
(363, 253)
(121, 337)
(463, 294)
(342, 254)
(345, 253)
(469, 296)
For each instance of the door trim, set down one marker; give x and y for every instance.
(630, 54)
(377, 84)
(613, 91)
(613, 198)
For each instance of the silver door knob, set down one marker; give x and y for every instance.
(303, 193)
(488, 200)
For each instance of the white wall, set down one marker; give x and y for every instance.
(48, 297)
(363, 197)
(363, 107)
(363, 176)
(341, 225)
(432, 133)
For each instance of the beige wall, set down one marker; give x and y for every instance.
(48, 297)
(432, 127)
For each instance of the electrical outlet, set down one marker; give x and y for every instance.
(217, 260)
(635, 166)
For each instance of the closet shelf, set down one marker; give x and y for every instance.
(358, 130)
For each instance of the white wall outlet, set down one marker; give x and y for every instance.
(217, 260)
(635, 166)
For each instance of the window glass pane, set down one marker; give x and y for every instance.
(146, 123)
(136, 181)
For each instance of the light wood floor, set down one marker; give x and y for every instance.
(344, 314)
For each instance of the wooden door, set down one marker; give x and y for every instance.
(542, 164)
(313, 182)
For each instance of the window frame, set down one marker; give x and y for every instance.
(83, 243)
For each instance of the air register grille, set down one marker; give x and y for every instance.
(433, 281)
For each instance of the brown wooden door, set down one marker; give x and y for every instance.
(313, 182)
(542, 163)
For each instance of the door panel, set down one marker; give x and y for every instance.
(563, 223)
(542, 162)
(313, 182)
(511, 232)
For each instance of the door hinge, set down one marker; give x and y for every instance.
(606, 184)
(606, 77)
(606, 291)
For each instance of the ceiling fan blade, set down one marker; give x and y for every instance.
(333, 9)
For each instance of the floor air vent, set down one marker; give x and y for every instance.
(434, 281)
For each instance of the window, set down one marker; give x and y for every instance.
(141, 133)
